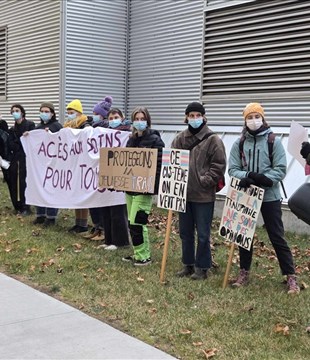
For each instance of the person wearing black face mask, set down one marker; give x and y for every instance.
(17, 169)
(254, 167)
(207, 164)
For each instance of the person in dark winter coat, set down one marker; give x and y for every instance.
(207, 164)
(4, 148)
(17, 169)
(46, 215)
(139, 205)
(115, 218)
(255, 168)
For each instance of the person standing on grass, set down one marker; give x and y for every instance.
(115, 218)
(17, 169)
(139, 205)
(77, 120)
(207, 164)
(46, 215)
(254, 167)
(99, 119)
(4, 148)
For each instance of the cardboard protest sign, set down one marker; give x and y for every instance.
(63, 167)
(173, 180)
(128, 169)
(240, 213)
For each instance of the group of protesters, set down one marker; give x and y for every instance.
(207, 165)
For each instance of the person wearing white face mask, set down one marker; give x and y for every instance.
(255, 167)
(207, 164)
(17, 169)
(45, 215)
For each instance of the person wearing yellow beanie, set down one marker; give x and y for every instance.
(76, 118)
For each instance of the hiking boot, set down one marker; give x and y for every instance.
(39, 220)
(242, 279)
(199, 274)
(186, 271)
(93, 232)
(129, 258)
(98, 237)
(292, 286)
(142, 262)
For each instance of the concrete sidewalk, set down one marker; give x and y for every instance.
(34, 325)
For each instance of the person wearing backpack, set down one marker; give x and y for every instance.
(254, 165)
(207, 164)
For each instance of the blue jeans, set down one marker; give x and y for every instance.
(50, 213)
(197, 216)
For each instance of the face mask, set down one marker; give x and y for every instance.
(115, 123)
(140, 125)
(17, 115)
(45, 117)
(254, 124)
(96, 118)
(71, 116)
(195, 123)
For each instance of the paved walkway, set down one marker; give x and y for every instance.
(34, 325)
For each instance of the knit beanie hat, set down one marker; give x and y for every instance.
(253, 107)
(48, 105)
(75, 105)
(195, 106)
(20, 107)
(104, 106)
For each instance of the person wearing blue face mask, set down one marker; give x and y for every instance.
(139, 205)
(17, 169)
(207, 164)
(45, 215)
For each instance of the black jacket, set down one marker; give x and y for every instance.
(53, 125)
(150, 139)
(15, 133)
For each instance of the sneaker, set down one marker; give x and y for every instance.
(292, 285)
(39, 220)
(77, 229)
(111, 247)
(98, 237)
(187, 270)
(242, 279)
(142, 262)
(93, 232)
(129, 258)
(49, 222)
(199, 274)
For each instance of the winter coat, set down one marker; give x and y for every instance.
(207, 163)
(255, 149)
(150, 139)
(80, 122)
(53, 125)
(15, 133)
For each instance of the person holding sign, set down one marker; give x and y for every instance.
(254, 166)
(77, 120)
(207, 164)
(139, 205)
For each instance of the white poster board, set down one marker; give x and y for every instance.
(173, 180)
(240, 213)
(298, 134)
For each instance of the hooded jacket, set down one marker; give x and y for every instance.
(255, 149)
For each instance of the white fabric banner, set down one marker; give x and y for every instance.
(63, 167)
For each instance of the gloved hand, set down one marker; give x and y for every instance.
(305, 149)
(246, 182)
(260, 179)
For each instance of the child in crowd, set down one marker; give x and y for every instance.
(139, 205)
(77, 120)
(254, 167)
(115, 217)
(46, 215)
(100, 112)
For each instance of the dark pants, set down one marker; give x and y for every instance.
(115, 222)
(96, 215)
(197, 216)
(272, 215)
(17, 184)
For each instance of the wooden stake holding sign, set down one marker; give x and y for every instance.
(172, 191)
(239, 219)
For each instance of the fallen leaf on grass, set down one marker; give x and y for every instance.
(199, 343)
(303, 285)
(81, 306)
(308, 329)
(8, 249)
(280, 328)
(103, 304)
(60, 248)
(32, 268)
(210, 353)
(185, 332)
(36, 232)
(77, 246)
(153, 310)
(59, 270)
(48, 263)
(151, 301)
(32, 250)
(190, 296)
(140, 279)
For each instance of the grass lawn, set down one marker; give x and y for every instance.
(187, 319)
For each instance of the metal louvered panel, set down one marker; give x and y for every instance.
(258, 51)
(3, 56)
(96, 52)
(32, 54)
(165, 45)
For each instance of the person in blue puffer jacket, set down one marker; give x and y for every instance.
(253, 167)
